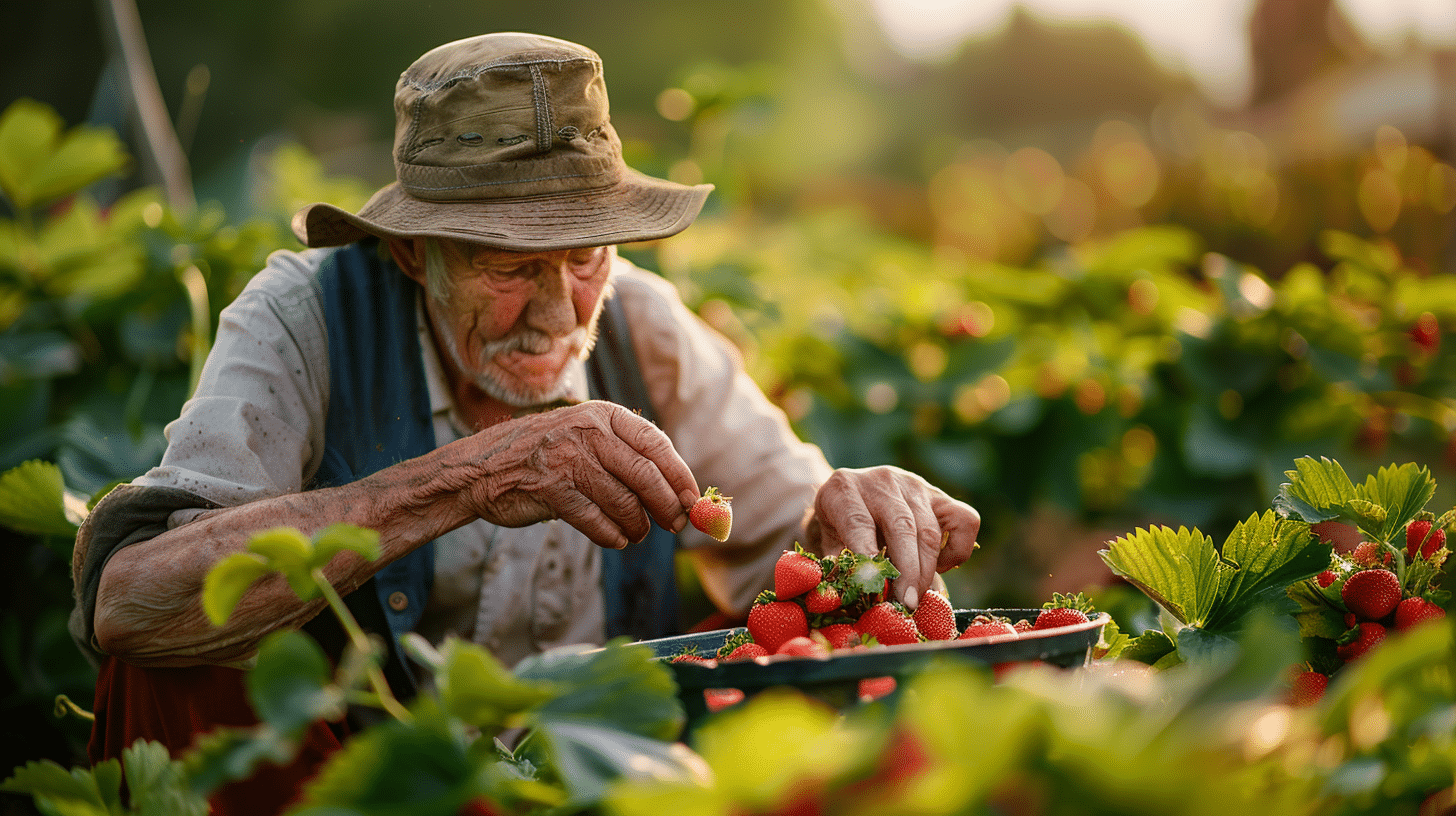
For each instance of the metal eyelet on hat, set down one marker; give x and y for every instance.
(470, 139)
(512, 140)
(568, 133)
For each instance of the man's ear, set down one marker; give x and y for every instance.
(409, 253)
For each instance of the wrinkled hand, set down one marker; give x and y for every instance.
(597, 466)
(888, 508)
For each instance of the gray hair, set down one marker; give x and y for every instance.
(438, 284)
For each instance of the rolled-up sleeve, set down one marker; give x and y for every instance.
(728, 432)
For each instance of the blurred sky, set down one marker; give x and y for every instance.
(1208, 38)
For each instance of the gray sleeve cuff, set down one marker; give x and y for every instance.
(124, 516)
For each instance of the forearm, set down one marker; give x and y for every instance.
(148, 604)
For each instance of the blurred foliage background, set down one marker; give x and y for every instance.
(1054, 275)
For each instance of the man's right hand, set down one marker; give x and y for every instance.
(599, 467)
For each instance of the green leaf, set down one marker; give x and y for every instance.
(1316, 491)
(1149, 647)
(290, 552)
(29, 131)
(1179, 570)
(85, 155)
(621, 685)
(32, 500)
(226, 583)
(481, 691)
(57, 790)
(589, 757)
(1202, 647)
(1401, 493)
(337, 538)
(290, 686)
(158, 784)
(229, 754)
(1266, 554)
(1316, 616)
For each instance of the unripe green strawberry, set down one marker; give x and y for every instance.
(935, 618)
(1371, 593)
(774, 622)
(713, 514)
(1415, 610)
(795, 573)
(1421, 539)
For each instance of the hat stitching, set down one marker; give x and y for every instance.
(506, 181)
(539, 91)
(441, 84)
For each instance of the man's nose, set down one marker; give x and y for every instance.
(552, 309)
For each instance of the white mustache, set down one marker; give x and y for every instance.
(533, 342)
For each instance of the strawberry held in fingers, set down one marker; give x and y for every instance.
(934, 617)
(713, 514)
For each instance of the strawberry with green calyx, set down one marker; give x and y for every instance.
(692, 655)
(989, 626)
(772, 622)
(1063, 610)
(713, 514)
(889, 623)
(1414, 611)
(796, 572)
(747, 651)
(1371, 594)
(1423, 538)
(1370, 554)
(822, 599)
(1326, 578)
(935, 618)
(1022, 625)
(1357, 641)
(736, 638)
(1307, 686)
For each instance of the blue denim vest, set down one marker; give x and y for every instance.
(379, 414)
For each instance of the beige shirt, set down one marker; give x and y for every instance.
(255, 429)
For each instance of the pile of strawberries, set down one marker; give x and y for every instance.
(822, 604)
(1379, 590)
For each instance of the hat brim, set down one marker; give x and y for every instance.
(637, 208)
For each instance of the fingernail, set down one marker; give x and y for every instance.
(912, 598)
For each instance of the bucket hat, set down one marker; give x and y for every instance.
(504, 140)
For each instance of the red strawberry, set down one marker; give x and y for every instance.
(1350, 620)
(773, 622)
(822, 599)
(888, 623)
(1426, 333)
(873, 688)
(1369, 554)
(1326, 578)
(481, 806)
(1371, 594)
(987, 626)
(746, 651)
(1359, 640)
(1022, 625)
(1420, 538)
(795, 573)
(713, 514)
(802, 646)
(838, 635)
(718, 699)
(1059, 616)
(1415, 610)
(935, 618)
(694, 657)
(1307, 688)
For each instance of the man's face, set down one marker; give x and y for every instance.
(512, 322)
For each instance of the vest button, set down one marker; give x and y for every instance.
(398, 601)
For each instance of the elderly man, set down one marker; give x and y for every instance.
(449, 366)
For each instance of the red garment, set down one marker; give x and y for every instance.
(174, 706)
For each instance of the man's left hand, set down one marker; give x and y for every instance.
(923, 530)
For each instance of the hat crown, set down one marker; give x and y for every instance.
(504, 115)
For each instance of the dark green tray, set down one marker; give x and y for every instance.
(835, 678)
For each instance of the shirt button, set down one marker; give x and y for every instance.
(398, 601)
